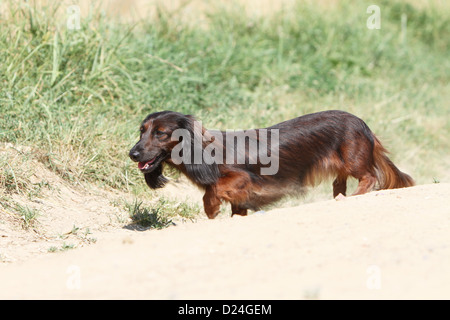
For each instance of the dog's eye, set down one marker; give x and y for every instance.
(142, 129)
(159, 133)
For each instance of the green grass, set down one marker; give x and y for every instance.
(27, 215)
(64, 247)
(158, 214)
(76, 97)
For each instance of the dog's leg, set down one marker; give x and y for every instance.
(359, 164)
(211, 202)
(366, 184)
(235, 209)
(339, 186)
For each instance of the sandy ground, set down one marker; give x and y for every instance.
(390, 244)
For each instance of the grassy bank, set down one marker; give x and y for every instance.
(75, 98)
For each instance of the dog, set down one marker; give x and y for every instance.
(304, 151)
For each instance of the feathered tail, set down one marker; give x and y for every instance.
(388, 175)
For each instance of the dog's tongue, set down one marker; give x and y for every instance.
(141, 165)
(144, 165)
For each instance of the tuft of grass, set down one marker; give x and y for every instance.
(67, 246)
(17, 169)
(147, 217)
(27, 215)
(64, 247)
(159, 214)
(13, 176)
(52, 249)
(23, 214)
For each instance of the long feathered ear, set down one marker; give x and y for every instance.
(197, 169)
(155, 179)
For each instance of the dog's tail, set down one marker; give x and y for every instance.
(388, 175)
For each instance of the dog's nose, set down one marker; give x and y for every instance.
(134, 155)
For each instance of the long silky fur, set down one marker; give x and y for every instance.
(202, 174)
(156, 179)
(311, 148)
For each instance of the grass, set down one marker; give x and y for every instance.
(64, 247)
(158, 214)
(76, 97)
(26, 215)
(17, 173)
(146, 217)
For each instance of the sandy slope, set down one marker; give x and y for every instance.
(386, 244)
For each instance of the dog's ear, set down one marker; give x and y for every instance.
(203, 174)
(155, 179)
(197, 169)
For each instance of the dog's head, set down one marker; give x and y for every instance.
(156, 144)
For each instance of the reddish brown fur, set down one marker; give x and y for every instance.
(312, 147)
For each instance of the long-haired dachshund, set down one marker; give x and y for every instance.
(265, 164)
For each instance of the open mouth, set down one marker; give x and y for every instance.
(143, 166)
